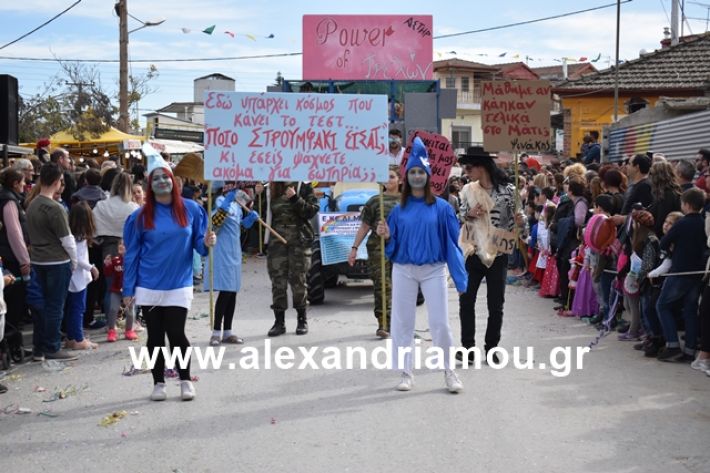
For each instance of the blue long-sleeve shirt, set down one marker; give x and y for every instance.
(159, 261)
(425, 234)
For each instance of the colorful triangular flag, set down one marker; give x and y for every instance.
(209, 30)
(186, 30)
(250, 36)
(582, 59)
(229, 33)
(503, 54)
(597, 58)
(271, 36)
(516, 56)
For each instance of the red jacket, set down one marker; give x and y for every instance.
(115, 269)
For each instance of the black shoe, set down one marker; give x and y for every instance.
(623, 326)
(471, 357)
(670, 354)
(652, 349)
(494, 356)
(279, 328)
(95, 324)
(302, 327)
(642, 346)
(3, 389)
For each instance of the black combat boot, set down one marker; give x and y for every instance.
(302, 327)
(279, 327)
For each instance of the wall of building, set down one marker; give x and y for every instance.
(211, 84)
(592, 113)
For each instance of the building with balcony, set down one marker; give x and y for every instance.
(466, 77)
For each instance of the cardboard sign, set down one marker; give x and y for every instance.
(367, 47)
(441, 158)
(504, 240)
(516, 115)
(295, 137)
(337, 235)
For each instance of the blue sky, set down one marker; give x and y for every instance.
(90, 31)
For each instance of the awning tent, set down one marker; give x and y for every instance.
(111, 141)
(175, 146)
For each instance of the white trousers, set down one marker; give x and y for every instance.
(406, 280)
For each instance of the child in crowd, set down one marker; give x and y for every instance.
(113, 267)
(550, 286)
(585, 299)
(81, 224)
(665, 265)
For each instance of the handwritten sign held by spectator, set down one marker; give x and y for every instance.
(516, 115)
(295, 137)
(504, 240)
(337, 235)
(441, 158)
(367, 47)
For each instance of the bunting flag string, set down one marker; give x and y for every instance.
(528, 58)
(211, 29)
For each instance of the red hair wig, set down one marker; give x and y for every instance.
(147, 214)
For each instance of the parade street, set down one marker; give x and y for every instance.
(620, 413)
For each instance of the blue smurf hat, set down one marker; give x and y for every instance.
(418, 157)
(155, 160)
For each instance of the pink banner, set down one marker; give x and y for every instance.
(367, 47)
(441, 158)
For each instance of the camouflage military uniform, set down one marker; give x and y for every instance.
(371, 216)
(289, 264)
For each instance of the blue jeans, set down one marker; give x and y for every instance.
(54, 282)
(649, 316)
(605, 281)
(76, 306)
(686, 289)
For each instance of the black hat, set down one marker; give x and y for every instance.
(474, 154)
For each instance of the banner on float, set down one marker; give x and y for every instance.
(367, 47)
(441, 158)
(295, 137)
(337, 235)
(515, 115)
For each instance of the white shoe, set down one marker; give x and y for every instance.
(159, 393)
(406, 383)
(187, 390)
(453, 383)
(701, 365)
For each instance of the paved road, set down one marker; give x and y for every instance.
(621, 413)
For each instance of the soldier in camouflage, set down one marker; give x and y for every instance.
(370, 216)
(292, 206)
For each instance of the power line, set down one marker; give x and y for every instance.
(278, 55)
(42, 25)
(510, 25)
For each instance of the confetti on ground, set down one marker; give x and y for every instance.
(48, 413)
(66, 392)
(53, 365)
(14, 377)
(39, 389)
(24, 410)
(203, 315)
(273, 420)
(112, 418)
(132, 371)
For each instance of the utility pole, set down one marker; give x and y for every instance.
(616, 67)
(123, 117)
(675, 7)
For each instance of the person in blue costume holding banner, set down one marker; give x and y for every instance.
(227, 275)
(421, 236)
(159, 239)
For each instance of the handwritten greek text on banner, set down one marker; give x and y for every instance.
(295, 137)
(367, 47)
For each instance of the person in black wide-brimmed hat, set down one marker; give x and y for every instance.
(488, 197)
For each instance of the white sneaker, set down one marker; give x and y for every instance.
(453, 383)
(187, 390)
(159, 393)
(406, 383)
(701, 365)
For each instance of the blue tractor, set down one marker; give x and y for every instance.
(322, 277)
